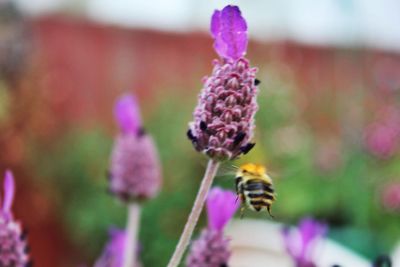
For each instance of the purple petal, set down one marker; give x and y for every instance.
(113, 251)
(9, 191)
(127, 114)
(310, 230)
(221, 206)
(117, 241)
(215, 23)
(231, 18)
(229, 30)
(299, 243)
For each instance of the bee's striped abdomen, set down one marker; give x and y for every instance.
(259, 194)
(260, 185)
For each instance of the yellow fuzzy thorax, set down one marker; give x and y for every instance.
(253, 171)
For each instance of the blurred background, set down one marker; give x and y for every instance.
(328, 126)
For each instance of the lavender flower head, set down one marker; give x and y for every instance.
(300, 243)
(113, 252)
(224, 117)
(211, 249)
(12, 241)
(135, 170)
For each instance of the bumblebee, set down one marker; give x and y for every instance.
(254, 187)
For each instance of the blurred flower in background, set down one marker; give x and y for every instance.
(390, 197)
(135, 170)
(113, 252)
(211, 249)
(383, 135)
(300, 242)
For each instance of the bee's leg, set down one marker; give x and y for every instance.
(241, 212)
(269, 211)
(237, 198)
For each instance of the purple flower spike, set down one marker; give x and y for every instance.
(300, 243)
(223, 123)
(9, 191)
(211, 249)
(229, 30)
(221, 206)
(135, 172)
(13, 245)
(127, 114)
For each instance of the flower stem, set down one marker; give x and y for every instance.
(131, 235)
(194, 215)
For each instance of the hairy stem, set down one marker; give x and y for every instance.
(131, 235)
(194, 215)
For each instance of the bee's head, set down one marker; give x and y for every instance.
(254, 169)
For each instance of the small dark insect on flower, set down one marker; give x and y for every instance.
(256, 82)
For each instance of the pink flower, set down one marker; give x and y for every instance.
(382, 140)
(229, 30)
(221, 206)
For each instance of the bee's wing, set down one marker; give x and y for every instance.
(227, 169)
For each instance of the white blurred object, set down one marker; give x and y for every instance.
(39, 7)
(396, 256)
(259, 243)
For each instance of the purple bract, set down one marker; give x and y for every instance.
(221, 206)
(113, 252)
(300, 243)
(127, 114)
(229, 30)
